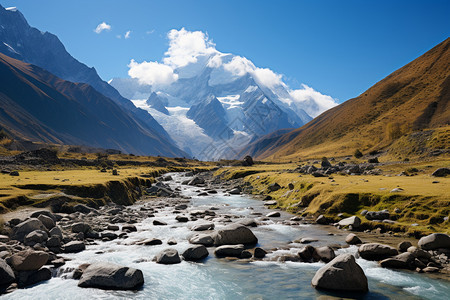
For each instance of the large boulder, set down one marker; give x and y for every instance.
(168, 257)
(375, 251)
(47, 213)
(21, 230)
(229, 250)
(274, 187)
(27, 278)
(234, 234)
(435, 241)
(341, 274)
(247, 161)
(353, 221)
(74, 247)
(401, 261)
(6, 273)
(111, 276)
(195, 253)
(29, 260)
(196, 180)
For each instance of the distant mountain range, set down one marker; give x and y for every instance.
(23, 42)
(223, 102)
(414, 98)
(38, 106)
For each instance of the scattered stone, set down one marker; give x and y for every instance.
(401, 261)
(325, 254)
(182, 219)
(353, 221)
(274, 187)
(234, 234)
(403, 246)
(48, 222)
(81, 227)
(374, 251)
(249, 222)
(202, 239)
(14, 173)
(435, 241)
(195, 253)
(431, 270)
(171, 242)
(111, 276)
(235, 191)
(397, 190)
(202, 226)
(441, 172)
(259, 253)
(129, 227)
(270, 202)
(29, 260)
(74, 247)
(274, 214)
(377, 215)
(341, 274)
(353, 239)
(168, 257)
(322, 220)
(35, 237)
(229, 250)
(150, 242)
(308, 240)
(159, 223)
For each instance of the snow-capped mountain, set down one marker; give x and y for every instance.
(222, 101)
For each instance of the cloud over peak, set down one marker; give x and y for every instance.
(102, 27)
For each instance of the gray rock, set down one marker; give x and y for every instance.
(48, 222)
(306, 253)
(159, 223)
(56, 231)
(129, 227)
(234, 234)
(150, 242)
(435, 241)
(195, 253)
(353, 239)
(111, 276)
(35, 237)
(168, 257)
(28, 260)
(249, 222)
(202, 239)
(441, 172)
(374, 251)
(53, 242)
(202, 226)
(4, 238)
(229, 250)
(46, 213)
(270, 202)
(259, 253)
(182, 219)
(74, 247)
(24, 228)
(322, 220)
(403, 246)
(82, 208)
(235, 191)
(353, 221)
(27, 278)
(377, 215)
(325, 254)
(81, 227)
(6, 273)
(341, 274)
(274, 187)
(401, 261)
(274, 214)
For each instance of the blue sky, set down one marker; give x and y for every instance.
(339, 48)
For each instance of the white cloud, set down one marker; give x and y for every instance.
(127, 34)
(118, 36)
(101, 27)
(150, 31)
(151, 73)
(185, 46)
(312, 101)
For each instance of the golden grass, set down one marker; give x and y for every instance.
(422, 201)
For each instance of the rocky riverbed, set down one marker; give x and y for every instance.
(197, 234)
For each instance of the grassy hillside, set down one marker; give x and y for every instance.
(412, 99)
(424, 199)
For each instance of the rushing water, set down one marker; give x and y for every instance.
(227, 279)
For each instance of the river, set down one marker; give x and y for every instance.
(216, 278)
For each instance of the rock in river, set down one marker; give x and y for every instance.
(110, 276)
(195, 253)
(234, 234)
(29, 260)
(374, 251)
(341, 274)
(168, 257)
